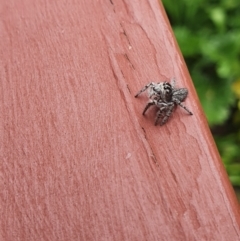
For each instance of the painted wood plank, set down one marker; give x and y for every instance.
(78, 159)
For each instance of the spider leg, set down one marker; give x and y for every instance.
(162, 107)
(159, 114)
(150, 103)
(168, 113)
(144, 88)
(183, 106)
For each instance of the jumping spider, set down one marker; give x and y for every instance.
(165, 96)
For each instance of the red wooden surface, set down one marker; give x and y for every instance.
(78, 160)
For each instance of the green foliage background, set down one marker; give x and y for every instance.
(208, 33)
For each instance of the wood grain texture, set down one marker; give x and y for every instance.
(78, 159)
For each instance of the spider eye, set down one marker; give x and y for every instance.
(167, 86)
(168, 90)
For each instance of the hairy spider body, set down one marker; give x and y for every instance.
(165, 97)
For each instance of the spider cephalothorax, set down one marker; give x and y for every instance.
(164, 96)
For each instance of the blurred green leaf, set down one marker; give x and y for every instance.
(208, 33)
(218, 17)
